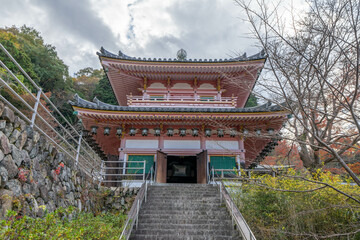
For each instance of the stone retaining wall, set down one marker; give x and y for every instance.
(35, 177)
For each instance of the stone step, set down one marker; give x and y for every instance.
(187, 208)
(184, 237)
(159, 226)
(207, 212)
(183, 196)
(183, 217)
(189, 232)
(184, 211)
(183, 203)
(182, 199)
(183, 189)
(180, 185)
(201, 188)
(185, 221)
(161, 201)
(145, 216)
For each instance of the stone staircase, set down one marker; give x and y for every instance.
(184, 211)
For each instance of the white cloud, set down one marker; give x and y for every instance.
(140, 28)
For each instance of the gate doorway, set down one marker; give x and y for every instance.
(181, 169)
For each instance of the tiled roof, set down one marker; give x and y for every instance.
(104, 53)
(97, 104)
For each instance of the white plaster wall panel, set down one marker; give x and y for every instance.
(141, 143)
(222, 145)
(182, 144)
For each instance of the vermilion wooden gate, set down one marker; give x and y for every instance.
(201, 166)
(161, 167)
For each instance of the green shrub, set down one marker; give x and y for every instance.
(320, 214)
(63, 224)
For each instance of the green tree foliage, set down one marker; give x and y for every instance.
(12, 45)
(86, 81)
(38, 59)
(90, 72)
(41, 62)
(252, 101)
(104, 91)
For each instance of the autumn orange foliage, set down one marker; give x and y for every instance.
(284, 154)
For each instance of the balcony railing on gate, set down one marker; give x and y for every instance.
(198, 101)
(35, 108)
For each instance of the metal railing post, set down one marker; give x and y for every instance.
(145, 190)
(137, 213)
(35, 108)
(220, 192)
(78, 149)
(213, 174)
(232, 214)
(144, 171)
(151, 175)
(101, 172)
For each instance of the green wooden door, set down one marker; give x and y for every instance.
(149, 163)
(223, 162)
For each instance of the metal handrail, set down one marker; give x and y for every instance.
(215, 183)
(90, 161)
(248, 171)
(133, 216)
(240, 221)
(236, 215)
(226, 170)
(103, 173)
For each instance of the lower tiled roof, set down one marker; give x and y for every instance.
(97, 104)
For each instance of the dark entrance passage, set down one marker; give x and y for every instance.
(181, 169)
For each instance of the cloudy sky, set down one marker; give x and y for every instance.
(139, 28)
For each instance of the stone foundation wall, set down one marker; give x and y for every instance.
(35, 177)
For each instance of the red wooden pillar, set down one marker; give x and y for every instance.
(161, 143)
(121, 149)
(242, 150)
(202, 143)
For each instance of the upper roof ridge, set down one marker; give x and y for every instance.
(104, 53)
